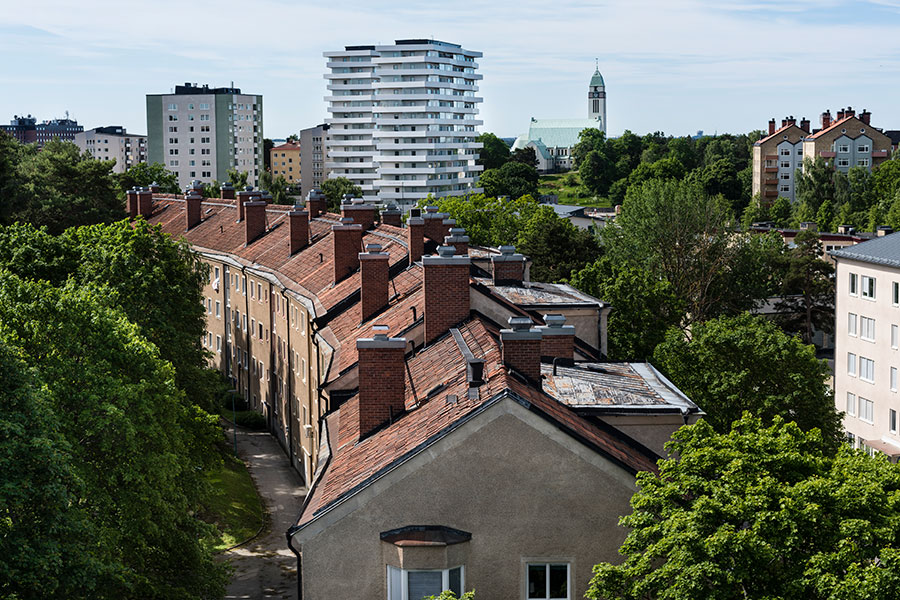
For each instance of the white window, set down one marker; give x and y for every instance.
(209, 306)
(303, 369)
(892, 420)
(851, 324)
(868, 287)
(862, 148)
(867, 369)
(843, 148)
(862, 162)
(173, 107)
(895, 293)
(866, 410)
(548, 581)
(851, 364)
(867, 329)
(851, 404)
(218, 309)
(404, 584)
(854, 290)
(843, 162)
(244, 323)
(893, 379)
(219, 344)
(785, 152)
(895, 336)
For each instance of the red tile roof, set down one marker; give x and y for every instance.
(441, 369)
(834, 124)
(287, 146)
(779, 131)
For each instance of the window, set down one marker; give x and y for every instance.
(854, 288)
(867, 327)
(843, 148)
(244, 324)
(868, 287)
(867, 369)
(851, 323)
(862, 148)
(404, 584)
(893, 379)
(866, 410)
(862, 162)
(892, 420)
(851, 404)
(895, 336)
(843, 162)
(218, 309)
(851, 364)
(219, 344)
(895, 293)
(548, 581)
(785, 152)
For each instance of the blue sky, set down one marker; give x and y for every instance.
(673, 66)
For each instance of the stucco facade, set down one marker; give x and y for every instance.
(525, 490)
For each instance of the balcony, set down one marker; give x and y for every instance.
(771, 193)
(771, 157)
(771, 169)
(771, 182)
(827, 154)
(880, 154)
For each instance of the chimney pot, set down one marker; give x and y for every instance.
(194, 206)
(415, 230)
(298, 220)
(347, 240)
(447, 298)
(558, 339)
(521, 348)
(382, 380)
(254, 221)
(508, 268)
(374, 279)
(391, 215)
(316, 203)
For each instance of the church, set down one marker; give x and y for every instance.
(553, 139)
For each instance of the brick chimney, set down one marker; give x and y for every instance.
(448, 225)
(446, 291)
(298, 220)
(373, 271)
(521, 348)
(459, 240)
(771, 126)
(865, 116)
(131, 203)
(840, 114)
(382, 380)
(347, 240)
(508, 268)
(226, 191)
(849, 112)
(153, 187)
(316, 203)
(392, 215)
(434, 224)
(243, 196)
(784, 122)
(558, 339)
(415, 232)
(361, 212)
(255, 220)
(804, 124)
(194, 202)
(791, 120)
(826, 119)
(145, 202)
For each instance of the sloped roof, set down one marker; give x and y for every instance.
(353, 464)
(780, 131)
(597, 78)
(880, 251)
(556, 133)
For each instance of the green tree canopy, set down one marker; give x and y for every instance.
(733, 364)
(807, 295)
(513, 179)
(277, 186)
(495, 152)
(334, 189)
(759, 512)
(143, 174)
(555, 246)
(526, 156)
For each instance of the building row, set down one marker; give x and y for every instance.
(456, 423)
(847, 141)
(28, 131)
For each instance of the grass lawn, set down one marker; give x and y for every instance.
(569, 193)
(234, 506)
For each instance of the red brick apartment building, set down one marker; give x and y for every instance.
(371, 345)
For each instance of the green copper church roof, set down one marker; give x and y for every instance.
(556, 133)
(597, 79)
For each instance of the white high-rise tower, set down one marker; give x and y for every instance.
(403, 119)
(597, 98)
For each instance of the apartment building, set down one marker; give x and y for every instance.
(867, 343)
(777, 157)
(285, 161)
(404, 119)
(114, 143)
(313, 170)
(199, 133)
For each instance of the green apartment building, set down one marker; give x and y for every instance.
(201, 132)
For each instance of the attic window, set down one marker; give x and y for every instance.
(843, 131)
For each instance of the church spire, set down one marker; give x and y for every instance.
(597, 96)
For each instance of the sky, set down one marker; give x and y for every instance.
(676, 66)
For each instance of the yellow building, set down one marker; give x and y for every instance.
(285, 161)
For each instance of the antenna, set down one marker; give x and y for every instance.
(597, 64)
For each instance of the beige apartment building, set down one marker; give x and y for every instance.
(285, 161)
(867, 343)
(114, 143)
(845, 142)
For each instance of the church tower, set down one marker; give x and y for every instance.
(597, 98)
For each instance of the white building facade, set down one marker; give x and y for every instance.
(114, 143)
(867, 343)
(403, 119)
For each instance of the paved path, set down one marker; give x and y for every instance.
(265, 567)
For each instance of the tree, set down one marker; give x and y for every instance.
(238, 178)
(526, 156)
(597, 172)
(885, 182)
(757, 211)
(556, 247)
(780, 212)
(267, 155)
(277, 186)
(334, 189)
(60, 187)
(588, 140)
(143, 174)
(513, 179)
(489, 220)
(138, 446)
(495, 152)
(644, 306)
(825, 217)
(720, 177)
(733, 364)
(815, 183)
(448, 595)
(762, 513)
(807, 297)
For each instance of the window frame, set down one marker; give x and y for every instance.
(869, 362)
(863, 291)
(867, 415)
(866, 327)
(851, 364)
(854, 284)
(852, 327)
(851, 404)
(895, 336)
(547, 566)
(892, 421)
(403, 575)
